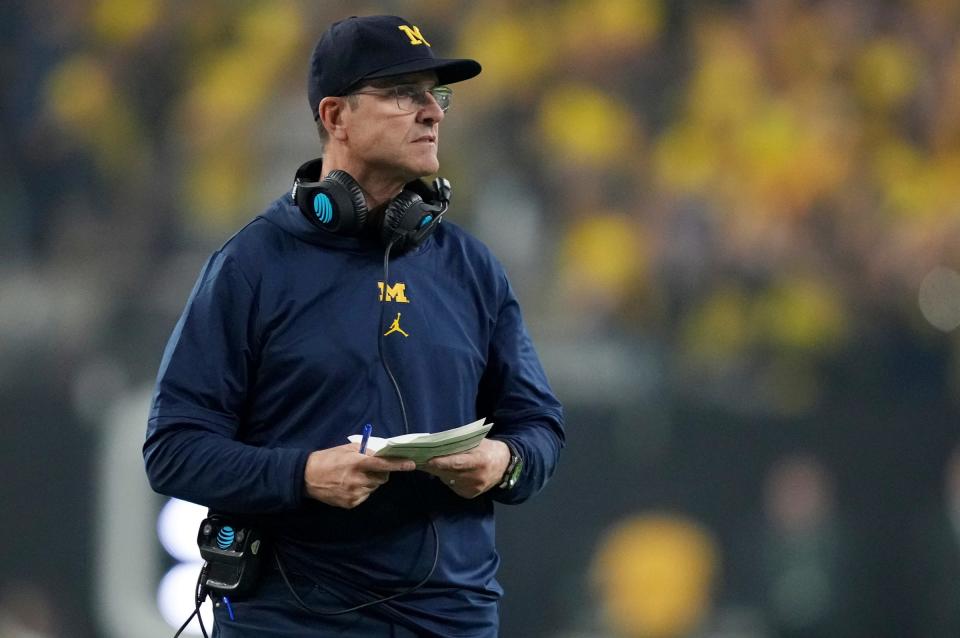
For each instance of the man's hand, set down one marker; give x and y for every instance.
(342, 477)
(473, 472)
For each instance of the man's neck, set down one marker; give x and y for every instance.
(378, 188)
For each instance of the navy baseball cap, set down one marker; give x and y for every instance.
(371, 47)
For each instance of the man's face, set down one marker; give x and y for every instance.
(389, 140)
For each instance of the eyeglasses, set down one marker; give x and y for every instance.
(412, 98)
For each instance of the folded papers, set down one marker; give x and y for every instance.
(423, 446)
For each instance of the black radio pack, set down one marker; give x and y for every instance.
(233, 554)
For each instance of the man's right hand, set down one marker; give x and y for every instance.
(342, 477)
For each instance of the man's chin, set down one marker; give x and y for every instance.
(427, 168)
(417, 168)
(424, 164)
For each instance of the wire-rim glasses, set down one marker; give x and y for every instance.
(411, 97)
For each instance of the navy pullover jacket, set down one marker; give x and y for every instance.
(275, 356)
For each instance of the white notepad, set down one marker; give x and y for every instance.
(423, 446)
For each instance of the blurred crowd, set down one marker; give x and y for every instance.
(732, 225)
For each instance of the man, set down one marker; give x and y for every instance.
(277, 359)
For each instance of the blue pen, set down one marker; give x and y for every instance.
(229, 607)
(367, 429)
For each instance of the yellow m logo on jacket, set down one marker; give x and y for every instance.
(397, 292)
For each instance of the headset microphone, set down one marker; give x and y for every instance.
(441, 187)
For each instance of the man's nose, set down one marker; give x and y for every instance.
(430, 111)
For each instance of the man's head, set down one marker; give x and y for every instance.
(355, 50)
(376, 88)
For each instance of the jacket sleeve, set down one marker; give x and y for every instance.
(191, 450)
(516, 395)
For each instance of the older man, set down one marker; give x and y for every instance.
(348, 302)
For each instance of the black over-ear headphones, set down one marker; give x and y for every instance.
(336, 204)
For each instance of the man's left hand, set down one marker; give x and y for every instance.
(471, 473)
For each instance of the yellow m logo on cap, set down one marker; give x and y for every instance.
(414, 34)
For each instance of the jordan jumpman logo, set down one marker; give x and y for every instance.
(395, 327)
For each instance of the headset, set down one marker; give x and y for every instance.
(231, 549)
(337, 205)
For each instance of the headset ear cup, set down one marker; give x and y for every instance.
(400, 219)
(353, 218)
(408, 220)
(335, 203)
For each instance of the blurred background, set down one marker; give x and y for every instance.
(732, 225)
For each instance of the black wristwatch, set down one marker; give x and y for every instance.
(514, 468)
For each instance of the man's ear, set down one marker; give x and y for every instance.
(332, 112)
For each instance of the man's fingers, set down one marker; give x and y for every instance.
(379, 478)
(386, 464)
(450, 463)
